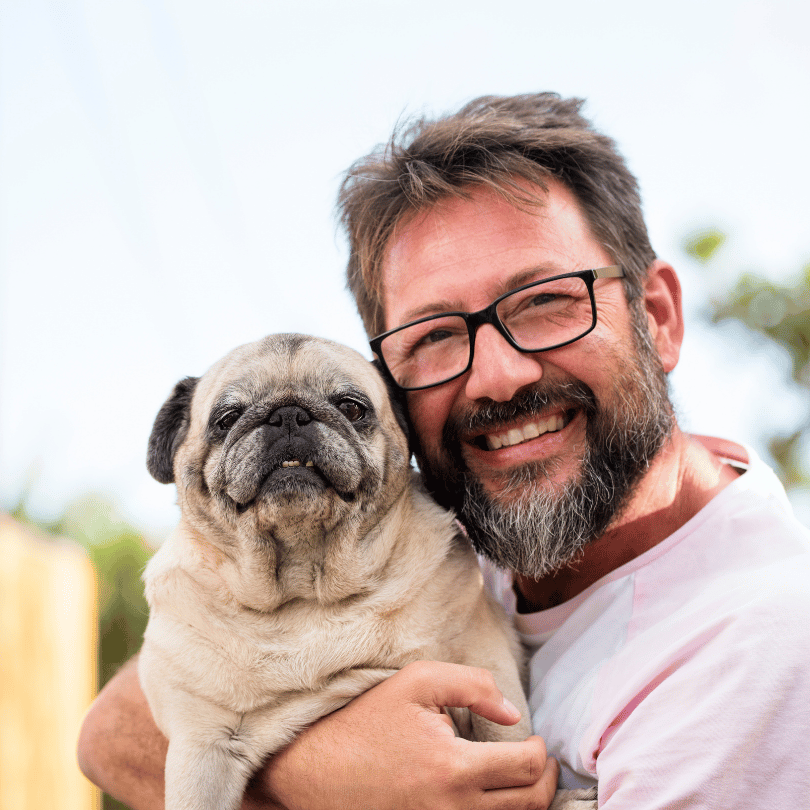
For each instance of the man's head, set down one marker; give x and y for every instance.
(509, 192)
(494, 142)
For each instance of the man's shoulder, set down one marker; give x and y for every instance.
(726, 450)
(754, 508)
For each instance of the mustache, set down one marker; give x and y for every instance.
(526, 403)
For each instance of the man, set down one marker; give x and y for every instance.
(501, 258)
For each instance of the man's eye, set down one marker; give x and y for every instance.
(352, 410)
(441, 334)
(228, 420)
(543, 299)
(436, 336)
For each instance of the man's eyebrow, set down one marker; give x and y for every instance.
(514, 281)
(531, 274)
(432, 308)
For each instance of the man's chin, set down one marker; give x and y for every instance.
(533, 527)
(550, 477)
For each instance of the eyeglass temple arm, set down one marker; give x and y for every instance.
(614, 271)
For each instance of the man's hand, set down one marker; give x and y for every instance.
(393, 748)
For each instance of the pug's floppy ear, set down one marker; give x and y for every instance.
(169, 430)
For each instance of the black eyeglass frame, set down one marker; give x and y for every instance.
(489, 315)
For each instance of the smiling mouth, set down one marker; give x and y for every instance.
(526, 432)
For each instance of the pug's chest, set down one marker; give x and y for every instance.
(260, 665)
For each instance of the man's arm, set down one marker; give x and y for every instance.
(391, 747)
(120, 748)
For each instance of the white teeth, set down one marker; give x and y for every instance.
(514, 436)
(529, 431)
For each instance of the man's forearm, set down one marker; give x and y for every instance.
(390, 747)
(123, 752)
(120, 748)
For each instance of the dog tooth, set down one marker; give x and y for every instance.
(309, 464)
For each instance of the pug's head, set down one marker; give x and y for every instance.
(283, 441)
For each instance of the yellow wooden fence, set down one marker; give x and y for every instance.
(47, 669)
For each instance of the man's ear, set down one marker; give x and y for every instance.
(169, 431)
(662, 300)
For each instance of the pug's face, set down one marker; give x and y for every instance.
(290, 437)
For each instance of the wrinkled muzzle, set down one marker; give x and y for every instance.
(289, 454)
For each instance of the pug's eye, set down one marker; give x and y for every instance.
(352, 410)
(228, 420)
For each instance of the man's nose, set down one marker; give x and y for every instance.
(499, 370)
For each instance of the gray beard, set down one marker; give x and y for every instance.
(530, 525)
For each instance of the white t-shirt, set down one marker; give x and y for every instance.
(682, 679)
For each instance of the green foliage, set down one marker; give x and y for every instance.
(119, 555)
(704, 244)
(780, 314)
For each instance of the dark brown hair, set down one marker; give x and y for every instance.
(497, 142)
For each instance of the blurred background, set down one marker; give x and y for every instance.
(169, 169)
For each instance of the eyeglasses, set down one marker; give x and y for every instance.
(536, 317)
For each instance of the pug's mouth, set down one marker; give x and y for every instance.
(290, 480)
(296, 463)
(292, 473)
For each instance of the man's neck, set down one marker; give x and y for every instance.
(682, 479)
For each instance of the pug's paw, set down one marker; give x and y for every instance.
(584, 799)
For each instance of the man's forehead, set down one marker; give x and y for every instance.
(528, 198)
(441, 243)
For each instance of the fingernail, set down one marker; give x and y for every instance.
(511, 707)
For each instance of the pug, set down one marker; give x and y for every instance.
(308, 565)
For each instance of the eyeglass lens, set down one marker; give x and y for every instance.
(537, 318)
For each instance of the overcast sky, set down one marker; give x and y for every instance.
(169, 169)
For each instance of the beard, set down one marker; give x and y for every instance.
(531, 525)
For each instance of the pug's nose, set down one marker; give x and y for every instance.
(290, 417)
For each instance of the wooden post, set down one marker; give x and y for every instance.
(48, 643)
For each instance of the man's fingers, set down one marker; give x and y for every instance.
(537, 796)
(492, 766)
(423, 763)
(436, 684)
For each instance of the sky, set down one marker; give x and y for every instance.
(169, 170)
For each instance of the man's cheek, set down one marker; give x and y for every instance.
(428, 411)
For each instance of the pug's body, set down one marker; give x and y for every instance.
(308, 565)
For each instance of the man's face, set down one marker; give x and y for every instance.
(522, 442)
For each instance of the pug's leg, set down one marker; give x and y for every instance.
(492, 649)
(206, 774)
(210, 759)
(213, 752)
